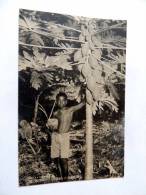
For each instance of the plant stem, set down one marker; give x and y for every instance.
(34, 152)
(43, 110)
(110, 27)
(89, 144)
(67, 48)
(111, 47)
(52, 109)
(36, 107)
(107, 66)
(59, 38)
(67, 27)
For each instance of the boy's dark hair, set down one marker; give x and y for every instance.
(61, 94)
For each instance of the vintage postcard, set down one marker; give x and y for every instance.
(71, 97)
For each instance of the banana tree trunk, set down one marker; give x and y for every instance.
(89, 144)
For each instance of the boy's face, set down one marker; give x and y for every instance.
(61, 102)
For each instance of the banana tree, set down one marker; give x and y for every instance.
(96, 48)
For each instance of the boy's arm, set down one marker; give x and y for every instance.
(77, 107)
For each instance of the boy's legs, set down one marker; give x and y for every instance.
(58, 166)
(60, 153)
(65, 154)
(55, 152)
(64, 168)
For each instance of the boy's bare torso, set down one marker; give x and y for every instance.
(64, 117)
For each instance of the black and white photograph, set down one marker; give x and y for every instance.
(71, 97)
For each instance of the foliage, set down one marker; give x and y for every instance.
(95, 50)
(40, 61)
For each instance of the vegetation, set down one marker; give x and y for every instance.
(76, 55)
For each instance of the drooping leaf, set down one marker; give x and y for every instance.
(36, 81)
(77, 56)
(81, 37)
(94, 108)
(89, 97)
(36, 39)
(27, 55)
(113, 90)
(97, 53)
(86, 70)
(91, 84)
(92, 62)
(85, 49)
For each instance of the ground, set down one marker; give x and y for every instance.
(108, 149)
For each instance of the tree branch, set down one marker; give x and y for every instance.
(45, 47)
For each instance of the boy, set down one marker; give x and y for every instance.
(60, 147)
